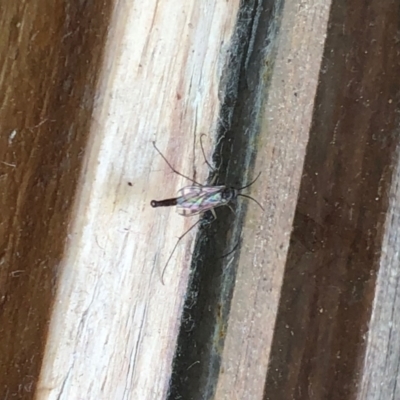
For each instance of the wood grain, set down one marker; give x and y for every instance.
(50, 55)
(159, 83)
(297, 301)
(323, 323)
(285, 119)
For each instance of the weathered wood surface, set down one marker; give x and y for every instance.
(50, 55)
(160, 82)
(342, 221)
(285, 120)
(305, 92)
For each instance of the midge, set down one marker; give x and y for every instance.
(198, 198)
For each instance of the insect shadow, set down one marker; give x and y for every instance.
(197, 199)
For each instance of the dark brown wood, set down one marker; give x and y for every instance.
(50, 54)
(337, 245)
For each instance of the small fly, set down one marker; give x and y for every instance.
(197, 199)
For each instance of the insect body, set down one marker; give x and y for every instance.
(197, 199)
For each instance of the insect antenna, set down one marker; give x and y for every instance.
(251, 198)
(173, 250)
(249, 184)
(204, 153)
(172, 168)
(247, 196)
(231, 251)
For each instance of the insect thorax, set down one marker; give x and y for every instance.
(228, 194)
(221, 196)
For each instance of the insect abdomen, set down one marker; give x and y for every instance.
(164, 203)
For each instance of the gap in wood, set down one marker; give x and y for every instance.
(206, 311)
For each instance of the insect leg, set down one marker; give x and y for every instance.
(172, 168)
(251, 198)
(173, 250)
(249, 184)
(204, 153)
(214, 173)
(230, 207)
(182, 236)
(234, 248)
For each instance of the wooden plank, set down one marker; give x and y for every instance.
(341, 222)
(50, 55)
(160, 82)
(285, 120)
(81, 302)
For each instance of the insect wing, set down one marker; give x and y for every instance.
(198, 199)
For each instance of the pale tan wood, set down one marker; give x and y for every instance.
(285, 123)
(114, 325)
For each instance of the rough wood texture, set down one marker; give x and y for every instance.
(114, 325)
(285, 120)
(50, 55)
(83, 313)
(342, 218)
